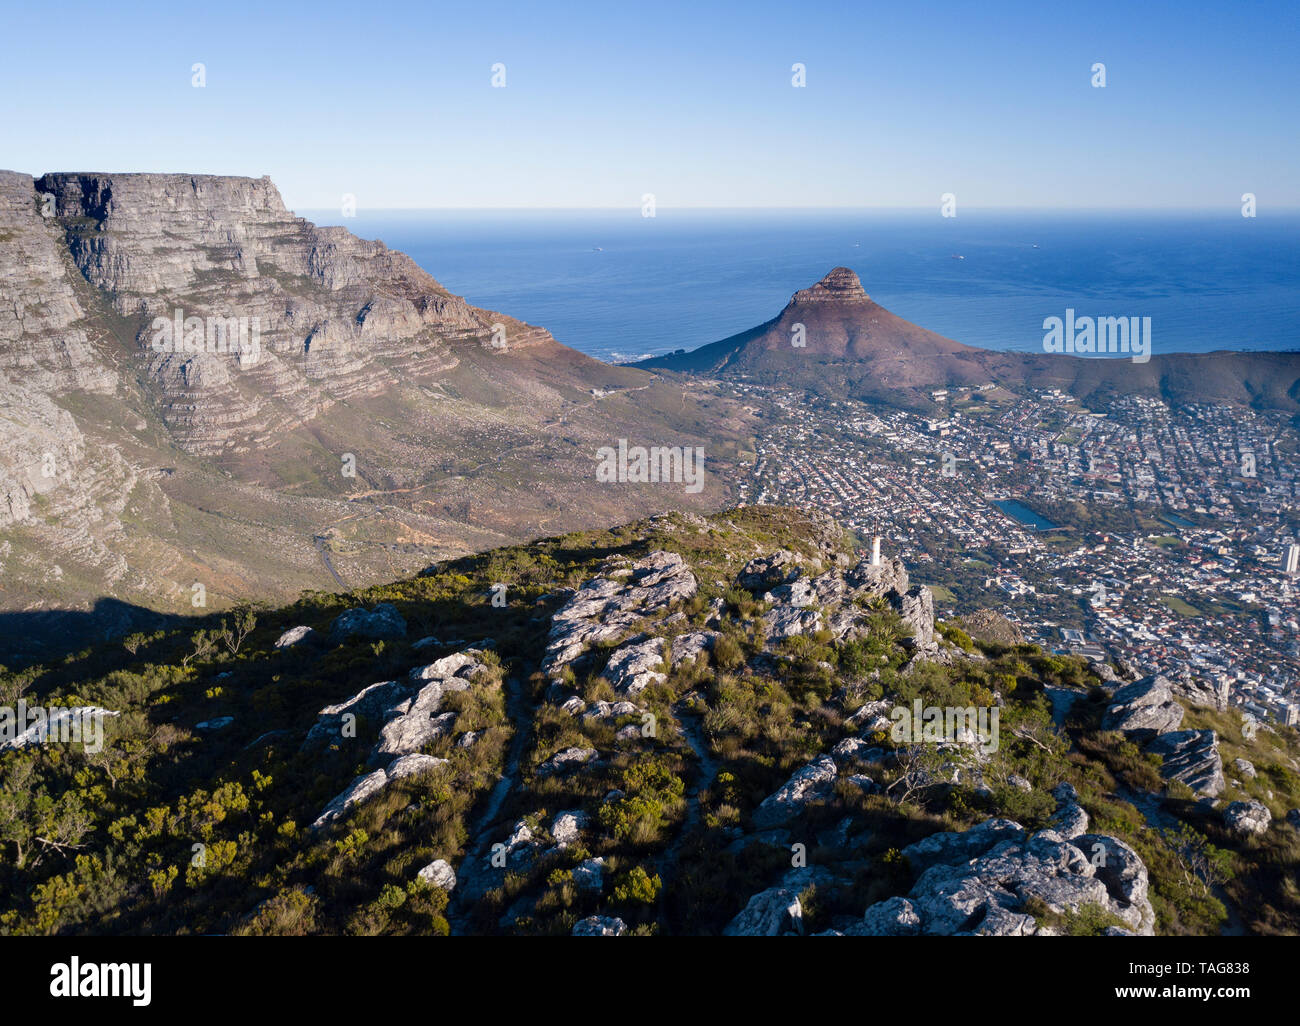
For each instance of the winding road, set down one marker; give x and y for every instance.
(324, 555)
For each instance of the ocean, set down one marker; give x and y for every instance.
(620, 286)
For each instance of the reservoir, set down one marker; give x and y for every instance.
(1021, 513)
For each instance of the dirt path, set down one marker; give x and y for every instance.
(484, 828)
(1062, 700)
(370, 492)
(1149, 805)
(592, 402)
(707, 771)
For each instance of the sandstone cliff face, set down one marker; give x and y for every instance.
(840, 285)
(43, 447)
(43, 339)
(324, 316)
(48, 346)
(199, 388)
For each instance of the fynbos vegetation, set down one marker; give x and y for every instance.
(687, 725)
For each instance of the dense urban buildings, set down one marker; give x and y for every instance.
(1164, 538)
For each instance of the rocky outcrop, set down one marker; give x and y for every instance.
(370, 702)
(589, 874)
(855, 749)
(515, 853)
(809, 784)
(804, 605)
(411, 710)
(952, 846)
(770, 913)
(872, 717)
(787, 621)
(893, 917)
(1198, 692)
(384, 621)
(599, 926)
(569, 759)
(994, 878)
(770, 571)
(1191, 756)
(889, 577)
(1251, 817)
(567, 827)
(609, 711)
(295, 636)
(983, 885)
(416, 721)
(690, 646)
(614, 604)
(82, 724)
(840, 285)
(370, 784)
(439, 873)
(1143, 709)
(411, 718)
(1125, 875)
(1146, 711)
(916, 610)
(989, 625)
(634, 666)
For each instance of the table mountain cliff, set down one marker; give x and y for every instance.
(198, 388)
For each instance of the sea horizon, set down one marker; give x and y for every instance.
(621, 287)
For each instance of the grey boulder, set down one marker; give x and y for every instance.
(1143, 709)
(1251, 817)
(384, 621)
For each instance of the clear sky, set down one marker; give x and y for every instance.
(393, 102)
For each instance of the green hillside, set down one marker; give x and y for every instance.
(661, 820)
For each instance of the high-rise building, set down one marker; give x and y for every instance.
(1291, 561)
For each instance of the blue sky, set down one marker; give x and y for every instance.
(692, 102)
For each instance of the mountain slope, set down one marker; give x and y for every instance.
(833, 339)
(682, 726)
(370, 424)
